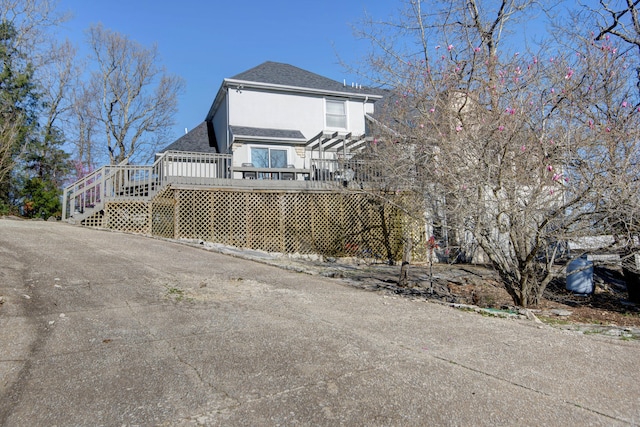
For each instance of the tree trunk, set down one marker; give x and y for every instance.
(406, 261)
(386, 234)
(525, 292)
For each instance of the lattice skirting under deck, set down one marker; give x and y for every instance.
(129, 216)
(329, 223)
(95, 220)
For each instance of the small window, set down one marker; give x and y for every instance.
(336, 114)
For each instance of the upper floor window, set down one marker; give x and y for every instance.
(336, 114)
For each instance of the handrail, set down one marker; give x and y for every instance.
(124, 181)
(84, 193)
(142, 182)
(344, 170)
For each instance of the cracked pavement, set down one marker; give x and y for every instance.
(104, 328)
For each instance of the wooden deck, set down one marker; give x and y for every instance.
(134, 182)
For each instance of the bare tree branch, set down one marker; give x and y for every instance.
(137, 98)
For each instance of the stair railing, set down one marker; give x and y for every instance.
(127, 182)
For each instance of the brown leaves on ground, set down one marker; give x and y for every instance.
(480, 286)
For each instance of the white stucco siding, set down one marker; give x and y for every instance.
(369, 107)
(305, 113)
(240, 154)
(355, 116)
(276, 111)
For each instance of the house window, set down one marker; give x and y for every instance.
(336, 114)
(262, 157)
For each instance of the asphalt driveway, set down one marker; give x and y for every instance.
(103, 328)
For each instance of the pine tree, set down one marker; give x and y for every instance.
(18, 109)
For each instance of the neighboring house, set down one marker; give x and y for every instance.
(282, 122)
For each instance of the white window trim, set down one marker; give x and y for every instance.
(346, 113)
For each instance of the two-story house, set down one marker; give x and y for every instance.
(266, 169)
(282, 122)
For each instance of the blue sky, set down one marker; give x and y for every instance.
(206, 41)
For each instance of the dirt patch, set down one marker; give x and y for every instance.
(480, 286)
(608, 305)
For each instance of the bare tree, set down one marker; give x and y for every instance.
(32, 19)
(55, 76)
(621, 20)
(68, 103)
(85, 127)
(137, 98)
(515, 152)
(55, 79)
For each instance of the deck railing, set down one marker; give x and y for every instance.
(124, 181)
(133, 182)
(192, 168)
(346, 170)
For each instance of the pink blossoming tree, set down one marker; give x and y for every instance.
(513, 154)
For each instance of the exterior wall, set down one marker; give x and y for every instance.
(220, 127)
(355, 115)
(305, 113)
(282, 110)
(276, 111)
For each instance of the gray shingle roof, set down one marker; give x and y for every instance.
(246, 131)
(284, 74)
(196, 140)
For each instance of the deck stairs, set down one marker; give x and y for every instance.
(87, 196)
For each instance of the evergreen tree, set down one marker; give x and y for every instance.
(18, 109)
(41, 198)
